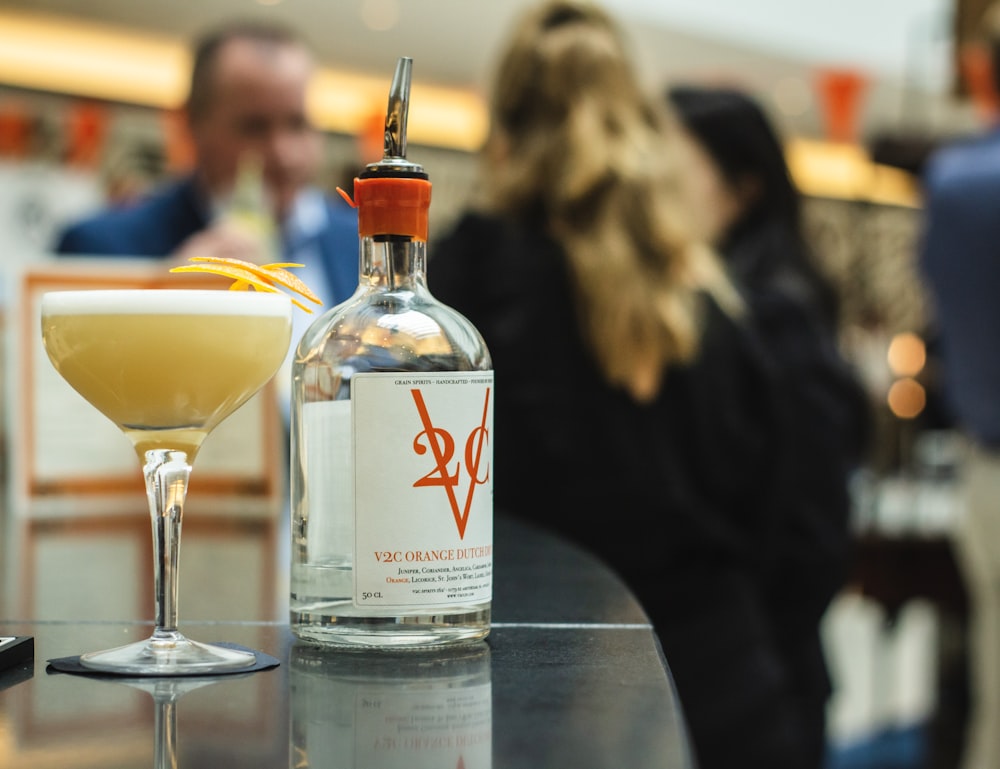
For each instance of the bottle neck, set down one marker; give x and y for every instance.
(391, 262)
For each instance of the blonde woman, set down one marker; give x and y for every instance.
(634, 414)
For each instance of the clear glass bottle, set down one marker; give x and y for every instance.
(391, 424)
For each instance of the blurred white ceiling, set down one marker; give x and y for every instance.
(774, 47)
(889, 38)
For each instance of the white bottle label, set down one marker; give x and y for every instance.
(422, 488)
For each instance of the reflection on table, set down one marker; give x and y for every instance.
(100, 568)
(571, 675)
(388, 710)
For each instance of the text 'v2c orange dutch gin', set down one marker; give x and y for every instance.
(392, 418)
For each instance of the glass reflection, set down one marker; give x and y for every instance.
(357, 710)
(165, 693)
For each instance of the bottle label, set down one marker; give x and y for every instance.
(423, 488)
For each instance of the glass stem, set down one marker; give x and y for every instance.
(166, 474)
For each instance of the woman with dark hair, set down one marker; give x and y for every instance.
(754, 211)
(751, 210)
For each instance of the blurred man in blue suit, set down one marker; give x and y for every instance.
(246, 108)
(960, 258)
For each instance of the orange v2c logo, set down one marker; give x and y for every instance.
(441, 444)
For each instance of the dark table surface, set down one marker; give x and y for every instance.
(570, 676)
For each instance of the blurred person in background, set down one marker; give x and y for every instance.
(640, 416)
(246, 115)
(752, 213)
(959, 255)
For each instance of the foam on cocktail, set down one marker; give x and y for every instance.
(166, 301)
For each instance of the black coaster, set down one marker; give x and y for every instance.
(72, 665)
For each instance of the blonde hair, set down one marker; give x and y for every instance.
(574, 137)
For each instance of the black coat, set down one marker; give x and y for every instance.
(691, 498)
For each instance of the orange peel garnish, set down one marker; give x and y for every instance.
(246, 275)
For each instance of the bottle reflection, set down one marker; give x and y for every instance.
(354, 710)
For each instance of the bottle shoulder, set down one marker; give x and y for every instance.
(395, 330)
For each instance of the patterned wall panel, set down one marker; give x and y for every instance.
(869, 251)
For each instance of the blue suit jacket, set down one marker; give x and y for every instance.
(157, 225)
(960, 258)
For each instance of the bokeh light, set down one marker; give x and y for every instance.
(906, 398)
(907, 354)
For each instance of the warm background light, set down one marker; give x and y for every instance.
(906, 398)
(440, 117)
(101, 61)
(841, 170)
(907, 354)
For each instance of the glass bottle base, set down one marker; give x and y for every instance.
(327, 627)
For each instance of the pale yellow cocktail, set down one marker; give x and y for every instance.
(166, 366)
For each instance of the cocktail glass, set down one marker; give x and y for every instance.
(166, 366)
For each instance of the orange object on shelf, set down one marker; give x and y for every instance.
(974, 61)
(86, 132)
(15, 131)
(840, 93)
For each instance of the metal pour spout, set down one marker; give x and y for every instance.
(397, 111)
(394, 162)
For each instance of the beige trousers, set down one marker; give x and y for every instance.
(977, 540)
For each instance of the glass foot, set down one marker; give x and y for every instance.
(172, 655)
